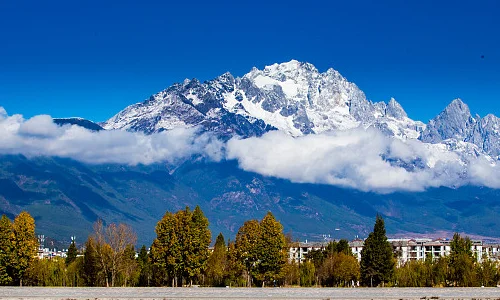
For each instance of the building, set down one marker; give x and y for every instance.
(404, 249)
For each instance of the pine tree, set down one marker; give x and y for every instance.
(71, 254)
(91, 264)
(6, 250)
(217, 262)
(271, 250)
(377, 261)
(145, 267)
(25, 245)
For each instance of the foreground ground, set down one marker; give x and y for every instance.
(247, 293)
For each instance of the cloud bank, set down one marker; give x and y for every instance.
(361, 159)
(40, 136)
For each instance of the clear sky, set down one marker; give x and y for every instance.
(93, 58)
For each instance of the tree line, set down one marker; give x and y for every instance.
(180, 256)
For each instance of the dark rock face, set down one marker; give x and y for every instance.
(80, 122)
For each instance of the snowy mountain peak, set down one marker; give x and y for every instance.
(395, 110)
(458, 107)
(293, 97)
(455, 121)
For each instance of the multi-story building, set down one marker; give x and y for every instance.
(404, 249)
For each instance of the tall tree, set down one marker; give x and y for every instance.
(25, 244)
(377, 261)
(112, 242)
(461, 261)
(71, 254)
(165, 250)
(145, 267)
(246, 245)
(91, 264)
(6, 250)
(217, 262)
(197, 249)
(271, 250)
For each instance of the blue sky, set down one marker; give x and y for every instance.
(93, 58)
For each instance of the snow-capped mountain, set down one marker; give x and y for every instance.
(456, 123)
(294, 97)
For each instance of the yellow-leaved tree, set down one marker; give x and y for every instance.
(25, 245)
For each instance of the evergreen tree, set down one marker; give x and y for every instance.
(343, 247)
(71, 254)
(271, 250)
(217, 262)
(377, 261)
(6, 250)
(145, 267)
(25, 245)
(91, 268)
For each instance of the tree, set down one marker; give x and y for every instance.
(307, 273)
(129, 269)
(487, 273)
(6, 250)
(271, 250)
(291, 273)
(71, 254)
(180, 250)
(145, 267)
(25, 245)
(91, 264)
(461, 261)
(112, 242)
(235, 267)
(199, 238)
(377, 261)
(165, 250)
(217, 262)
(246, 243)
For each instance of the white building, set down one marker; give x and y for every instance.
(404, 249)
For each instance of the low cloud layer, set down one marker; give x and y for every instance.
(361, 159)
(39, 136)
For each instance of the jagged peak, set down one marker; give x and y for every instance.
(292, 66)
(225, 77)
(395, 110)
(458, 105)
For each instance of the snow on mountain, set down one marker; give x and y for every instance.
(293, 97)
(456, 123)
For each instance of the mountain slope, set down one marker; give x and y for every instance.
(293, 97)
(455, 122)
(66, 197)
(78, 121)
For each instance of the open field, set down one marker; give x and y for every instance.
(248, 293)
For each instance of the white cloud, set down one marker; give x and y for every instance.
(360, 159)
(39, 136)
